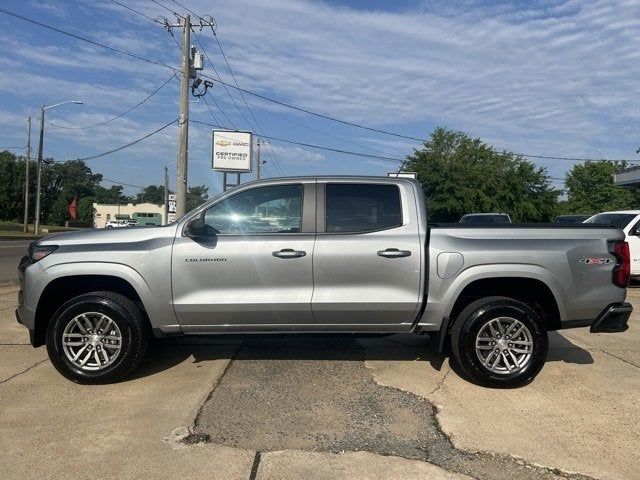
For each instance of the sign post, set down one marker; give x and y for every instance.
(172, 208)
(232, 152)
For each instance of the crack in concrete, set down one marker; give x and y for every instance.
(619, 358)
(23, 372)
(593, 348)
(196, 419)
(254, 467)
(439, 384)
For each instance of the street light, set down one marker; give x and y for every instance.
(36, 227)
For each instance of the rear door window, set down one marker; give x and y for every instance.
(356, 207)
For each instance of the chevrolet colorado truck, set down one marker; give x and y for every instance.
(323, 254)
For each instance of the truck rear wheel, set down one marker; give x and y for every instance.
(500, 342)
(99, 337)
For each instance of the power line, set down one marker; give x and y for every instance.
(187, 9)
(219, 108)
(575, 159)
(93, 157)
(263, 97)
(235, 80)
(11, 148)
(136, 11)
(319, 147)
(84, 39)
(117, 116)
(276, 163)
(328, 117)
(321, 115)
(167, 8)
(121, 183)
(220, 78)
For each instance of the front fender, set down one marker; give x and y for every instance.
(156, 301)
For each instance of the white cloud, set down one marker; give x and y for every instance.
(293, 155)
(552, 77)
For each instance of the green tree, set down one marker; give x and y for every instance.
(113, 195)
(590, 188)
(196, 196)
(11, 186)
(151, 194)
(461, 175)
(61, 183)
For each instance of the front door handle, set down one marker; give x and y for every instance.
(289, 253)
(393, 253)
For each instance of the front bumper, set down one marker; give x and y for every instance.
(614, 318)
(24, 316)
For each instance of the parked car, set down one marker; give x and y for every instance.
(326, 254)
(116, 224)
(486, 218)
(629, 222)
(570, 218)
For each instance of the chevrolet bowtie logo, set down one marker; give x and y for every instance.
(223, 143)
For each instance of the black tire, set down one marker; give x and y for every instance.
(124, 313)
(472, 320)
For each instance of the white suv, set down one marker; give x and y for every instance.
(629, 222)
(116, 224)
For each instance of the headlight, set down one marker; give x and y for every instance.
(38, 252)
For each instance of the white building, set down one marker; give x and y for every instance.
(143, 213)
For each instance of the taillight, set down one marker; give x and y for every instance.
(622, 270)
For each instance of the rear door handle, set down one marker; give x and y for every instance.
(393, 253)
(289, 253)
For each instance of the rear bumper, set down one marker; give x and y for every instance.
(614, 318)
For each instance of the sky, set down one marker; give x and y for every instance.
(542, 77)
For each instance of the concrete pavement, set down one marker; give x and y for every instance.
(579, 415)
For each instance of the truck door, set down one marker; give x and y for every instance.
(252, 267)
(368, 256)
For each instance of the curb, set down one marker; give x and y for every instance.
(26, 237)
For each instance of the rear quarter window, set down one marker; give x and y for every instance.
(354, 208)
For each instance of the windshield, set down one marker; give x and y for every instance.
(620, 220)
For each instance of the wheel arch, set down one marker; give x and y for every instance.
(63, 288)
(532, 291)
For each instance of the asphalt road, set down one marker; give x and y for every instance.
(11, 251)
(313, 393)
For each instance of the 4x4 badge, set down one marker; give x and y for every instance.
(596, 261)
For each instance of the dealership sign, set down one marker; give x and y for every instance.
(232, 151)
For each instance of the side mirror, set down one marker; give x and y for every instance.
(196, 228)
(635, 232)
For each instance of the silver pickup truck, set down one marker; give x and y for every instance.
(325, 254)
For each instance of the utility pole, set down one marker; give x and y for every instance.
(183, 122)
(25, 227)
(192, 61)
(36, 225)
(258, 165)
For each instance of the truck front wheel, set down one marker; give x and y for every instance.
(98, 337)
(499, 342)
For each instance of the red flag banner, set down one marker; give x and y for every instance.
(73, 209)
